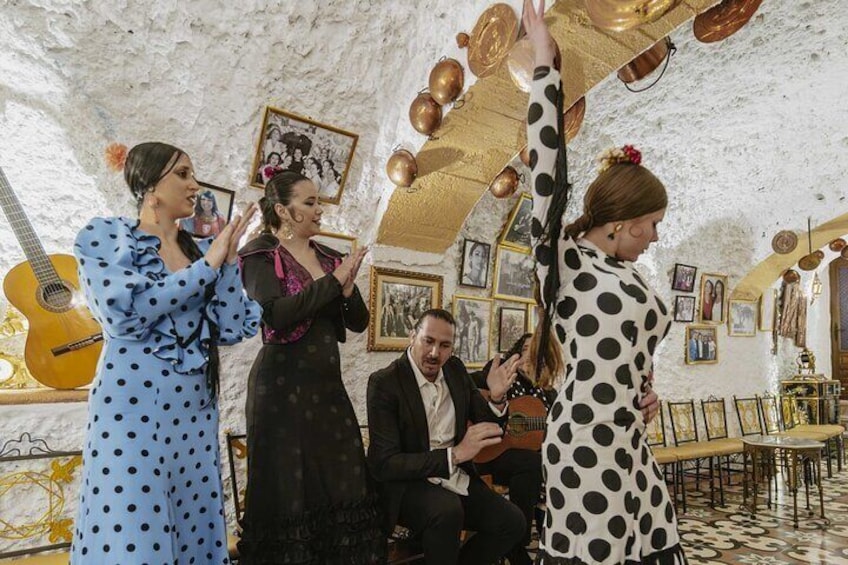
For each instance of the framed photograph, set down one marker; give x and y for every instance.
(768, 313)
(473, 328)
(516, 233)
(512, 324)
(289, 142)
(701, 345)
(513, 275)
(712, 298)
(683, 278)
(213, 209)
(684, 308)
(742, 317)
(475, 263)
(344, 244)
(398, 298)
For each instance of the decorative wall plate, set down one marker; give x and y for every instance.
(723, 20)
(620, 15)
(837, 244)
(809, 262)
(784, 242)
(491, 39)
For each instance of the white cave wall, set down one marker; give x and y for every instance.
(749, 136)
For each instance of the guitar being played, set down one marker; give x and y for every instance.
(64, 341)
(516, 462)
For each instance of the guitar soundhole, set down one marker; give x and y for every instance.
(56, 297)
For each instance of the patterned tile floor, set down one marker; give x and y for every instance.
(730, 535)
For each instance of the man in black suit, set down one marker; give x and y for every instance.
(422, 447)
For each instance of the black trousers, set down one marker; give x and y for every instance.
(439, 516)
(521, 471)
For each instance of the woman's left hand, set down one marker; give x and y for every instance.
(650, 403)
(350, 283)
(239, 226)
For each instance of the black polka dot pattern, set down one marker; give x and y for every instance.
(151, 488)
(609, 322)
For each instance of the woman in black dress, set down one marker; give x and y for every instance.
(308, 500)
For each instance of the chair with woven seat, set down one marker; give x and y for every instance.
(832, 433)
(664, 455)
(685, 432)
(715, 419)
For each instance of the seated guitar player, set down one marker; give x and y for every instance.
(520, 469)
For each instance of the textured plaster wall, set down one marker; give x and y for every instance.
(748, 135)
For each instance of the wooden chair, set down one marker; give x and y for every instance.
(685, 432)
(664, 455)
(715, 420)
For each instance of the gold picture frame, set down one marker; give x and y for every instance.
(473, 316)
(397, 299)
(712, 299)
(701, 344)
(344, 244)
(513, 276)
(511, 324)
(321, 152)
(742, 317)
(516, 232)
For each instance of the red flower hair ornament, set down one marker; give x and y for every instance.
(626, 154)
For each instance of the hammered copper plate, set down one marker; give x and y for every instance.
(644, 64)
(837, 244)
(784, 242)
(574, 118)
(491, 39)
(722, 21)
(621, 15)
(809, 262)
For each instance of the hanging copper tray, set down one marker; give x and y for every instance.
(791, 276)
(784, 242)
(621, 15)
(491, 39)
(574, 118)
(837, 244)
(644, 64)
(722, 21)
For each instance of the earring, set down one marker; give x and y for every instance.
(285, 230)
(611, 235)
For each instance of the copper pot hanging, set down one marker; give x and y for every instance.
(425, 114)
(809, 262)
(462, 40)
(402, 168)
(446, 81)
(621, 15)
(723, 20)
(844, 252)
(524, 155)
(837, 244)
(574, 118)
(791, 276)
(644, 64)
(505, 183)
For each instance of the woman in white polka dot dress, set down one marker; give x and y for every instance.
(151, 485)
(607, 502)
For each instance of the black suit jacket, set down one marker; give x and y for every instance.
(399, 451)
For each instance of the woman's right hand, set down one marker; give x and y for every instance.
(540, 37)
(224, 246)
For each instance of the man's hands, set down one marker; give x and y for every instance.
(476, 438)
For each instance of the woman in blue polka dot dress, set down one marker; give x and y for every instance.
(151, 488)
(607, 502)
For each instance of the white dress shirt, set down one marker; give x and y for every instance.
(441, 423)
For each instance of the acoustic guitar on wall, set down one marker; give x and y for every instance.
(64, 340)
(525, 428)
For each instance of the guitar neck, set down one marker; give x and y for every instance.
(21, 226)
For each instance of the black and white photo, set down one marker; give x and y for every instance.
(320, 152)
(513, 275)
(398, 298)
(517, 230)
(475, 263)
(512, 324)
(742, 317)
(473, 327)
(684, 308)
